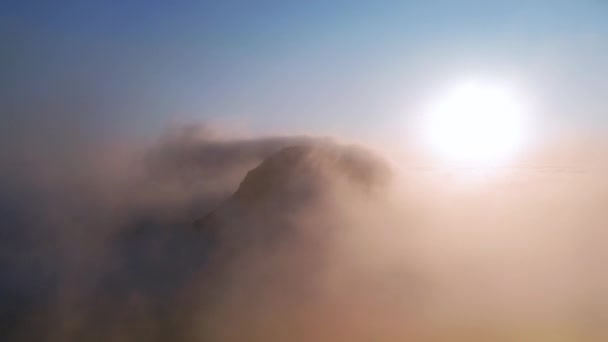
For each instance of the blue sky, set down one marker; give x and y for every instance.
(326, 66)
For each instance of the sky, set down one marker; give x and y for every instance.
(346, 67)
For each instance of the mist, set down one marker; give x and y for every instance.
(201, 234)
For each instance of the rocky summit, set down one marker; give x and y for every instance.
(295, 176)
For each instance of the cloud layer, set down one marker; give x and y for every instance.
(99, 243)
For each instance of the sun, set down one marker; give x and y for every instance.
(477, 123)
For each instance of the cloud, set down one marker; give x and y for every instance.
(100, 218)
(99, 238)
(319, 240)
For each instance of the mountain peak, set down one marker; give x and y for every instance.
(301, 174)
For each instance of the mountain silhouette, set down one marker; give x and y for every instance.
(291, 181)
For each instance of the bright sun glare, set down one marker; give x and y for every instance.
(477, 123)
